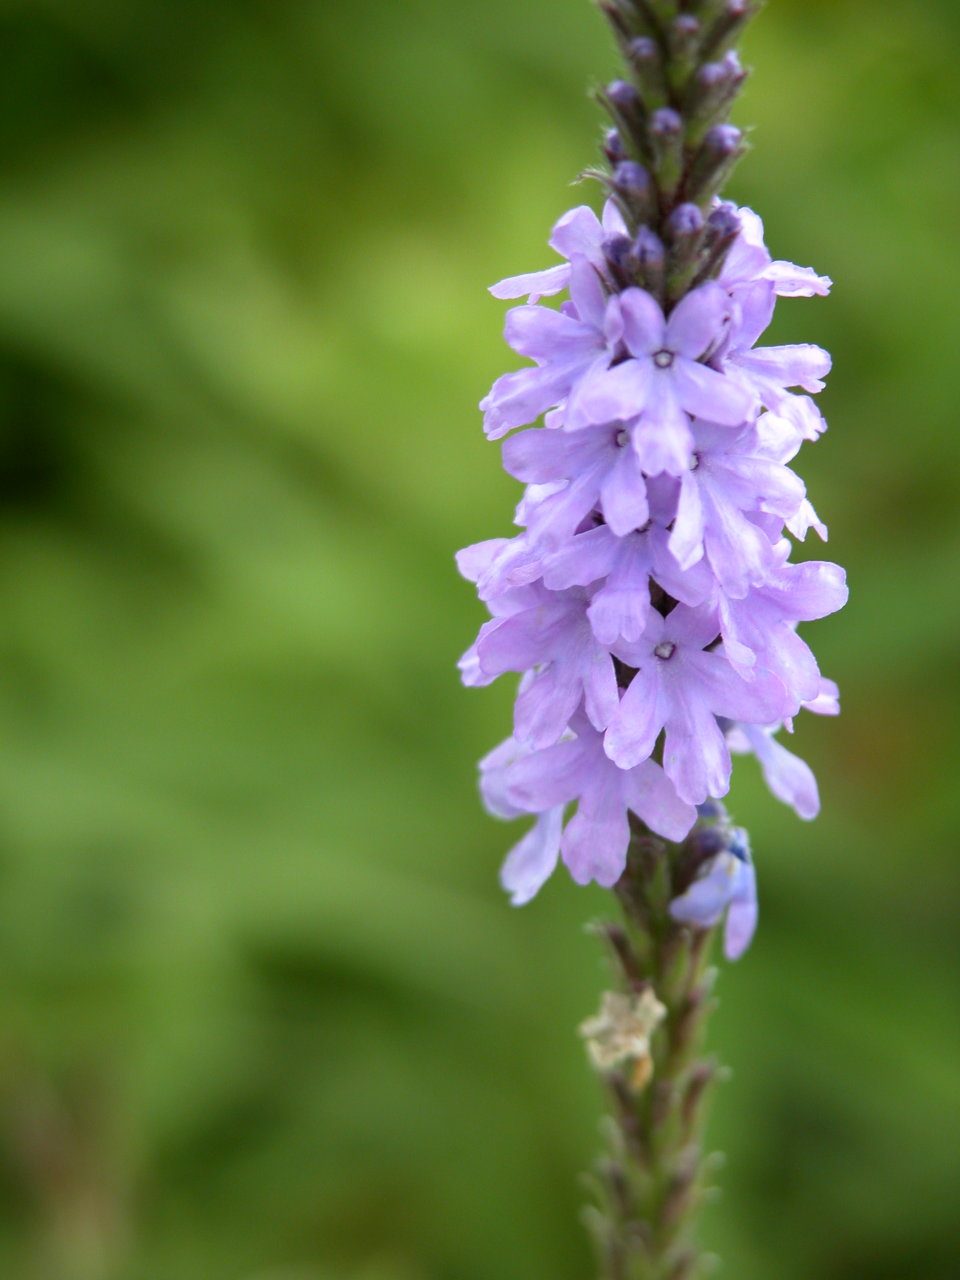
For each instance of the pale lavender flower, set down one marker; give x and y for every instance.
(594, 841)
(680, 687)
(648, 603)
(727, 883)
(663, 379)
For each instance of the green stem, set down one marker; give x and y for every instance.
(650, 1182)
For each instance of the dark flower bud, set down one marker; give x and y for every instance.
(613, 147)
(666, 123)
(623, 96)
(633, 192)
(647, 62)
(720, 150)
(644, 52)
(722, 140)
(632, 178)
(666, 141)
(711, 92)
(684, 36)
(729, 24)
(651, 261)
(624, 104)
(712, 810)
(628, 17)
(649, 248)
(685, 222)
(621, 259)
(723, 227)
(724, 222)
(709, 842)
(685, 230)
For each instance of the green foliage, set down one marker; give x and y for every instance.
(266, 1014)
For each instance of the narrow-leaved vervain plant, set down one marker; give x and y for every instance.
(649, 602)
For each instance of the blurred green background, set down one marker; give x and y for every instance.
(266, 1015)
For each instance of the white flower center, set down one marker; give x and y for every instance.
(621, 439)
(665, 649)
(694, 461)
(663, 359)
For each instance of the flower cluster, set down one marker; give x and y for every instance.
(649, 602)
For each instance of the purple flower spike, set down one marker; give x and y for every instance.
(647, 601)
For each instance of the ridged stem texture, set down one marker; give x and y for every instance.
(647, 1046)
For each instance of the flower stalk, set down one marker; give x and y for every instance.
(649, 602)
(649, 1185)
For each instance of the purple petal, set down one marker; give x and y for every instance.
(801, 365)
(517, 399)
(797, 282)
(531, 862)
(699, 321)
(538, 780)
(705, 393)
(616, 395)
(742, 914)
(581, 561)
(601, 697)
(546, 335)
(707, 898)
(474, 561)
(586, 292)
(758, 701)
(543, 708)
(535, 284)
(695, 753)
(632, 732)
(595, 842)
(578, 232)
(788, 777)
(686, 537)
(644, 328)
(537, 455)
(662, 441)
(624, 494)
(653, 798)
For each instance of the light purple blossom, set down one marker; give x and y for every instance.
(594, 841)
(648, 602)
(728, 883)
(663, 378)
(681, 687)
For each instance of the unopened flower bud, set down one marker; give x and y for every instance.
(621, 259)
(685, 223)
(647, 61)
(651, 261)
(666, 140)
(633, 192)
(624, 103)
(723, 227)
(720, 150)
(711, 92)
(732, 19)
(683, 37)
(724, 221)
(623, 96)
(613, 147)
